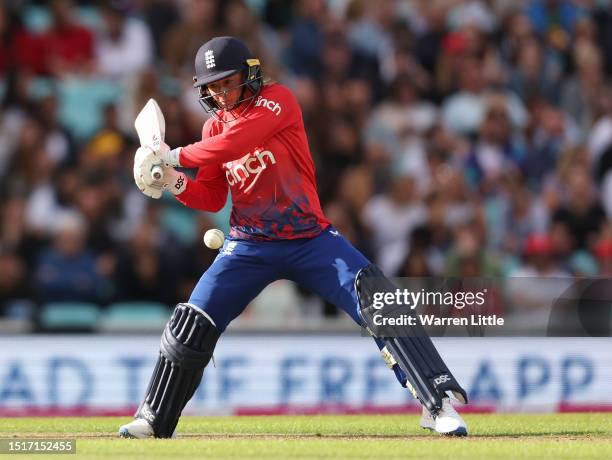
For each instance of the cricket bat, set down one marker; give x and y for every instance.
(151, 128)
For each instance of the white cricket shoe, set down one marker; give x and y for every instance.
(138, 428)
(447, 422)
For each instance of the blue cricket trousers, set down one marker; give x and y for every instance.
(326, 264)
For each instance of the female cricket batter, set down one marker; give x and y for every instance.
(255, 144)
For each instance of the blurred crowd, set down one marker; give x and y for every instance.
(451, 137)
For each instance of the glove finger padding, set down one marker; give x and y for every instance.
(144, 160)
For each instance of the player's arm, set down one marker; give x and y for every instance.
(247, 133)
(243, 137)
(208, 192)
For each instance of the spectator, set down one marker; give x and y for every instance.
(144, 272)
(400, 123)
(391, 217)
(69, 47)
(20, 50)
(339, 148)
(415, 265)
(126, 46)
(553, 131)
(526, 215)
(600, 136)
(424, 258)
(241, 22)
(200, 22)
(582, 211)
(533, 286)
(517, 30)
(13, 281)
(535, 73)
(369, 32)
(495, 152)
(469, 257)
(15, 236)
(194, 258)
(580, 91)
(306, 45)
(554, 20)
(67, 270)
(429, 30)
(160, 16)
(602, 16)
(58, 141)
(355, 189)
(463, 112)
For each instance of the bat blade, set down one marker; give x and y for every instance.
(151, 128)
(151, 125)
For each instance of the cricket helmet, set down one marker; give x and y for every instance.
(223, 57)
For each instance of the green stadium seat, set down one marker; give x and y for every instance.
(134, 316)
(69, 316)
(37, 18)
(82, 101)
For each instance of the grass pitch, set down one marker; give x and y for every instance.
(500, 436)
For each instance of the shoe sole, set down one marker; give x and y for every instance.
(124, 433)
(459, 432)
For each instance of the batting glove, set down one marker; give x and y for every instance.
(172, 180)
(169, 156)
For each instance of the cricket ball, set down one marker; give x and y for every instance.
(214, 238)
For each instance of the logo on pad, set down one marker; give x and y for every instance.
(442, 379)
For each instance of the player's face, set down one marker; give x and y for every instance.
(226, 92)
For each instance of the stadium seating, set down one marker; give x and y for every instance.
(134, 316)
(68, 316)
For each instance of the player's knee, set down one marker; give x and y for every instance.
(369, 282)
(189, 337)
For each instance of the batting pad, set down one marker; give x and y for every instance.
(187, 345)
(409, 347)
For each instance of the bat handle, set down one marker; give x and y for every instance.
(157, 172)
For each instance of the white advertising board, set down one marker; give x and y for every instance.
(110, 373)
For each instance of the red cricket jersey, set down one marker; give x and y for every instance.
(264, 157)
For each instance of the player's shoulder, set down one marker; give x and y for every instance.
(274, 87)
(278, 93)
(211, 127)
